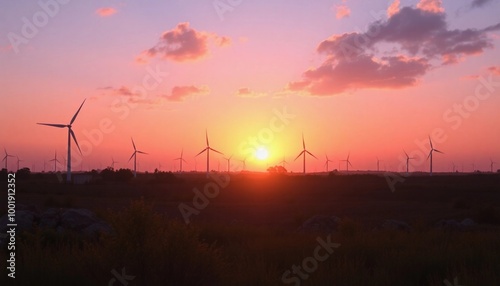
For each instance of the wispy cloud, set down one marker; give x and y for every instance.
(183, 44)
(105, 11)
(180, 93)
(246, 92)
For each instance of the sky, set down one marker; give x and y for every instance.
(368, 79)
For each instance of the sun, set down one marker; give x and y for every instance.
(261, 153)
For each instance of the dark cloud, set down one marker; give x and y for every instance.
(479, 3)
(419, 36)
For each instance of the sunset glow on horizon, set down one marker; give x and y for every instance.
(360, 79)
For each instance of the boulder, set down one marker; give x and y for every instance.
(50, 218)
(320, 223)
(25, 220)
(77, 219)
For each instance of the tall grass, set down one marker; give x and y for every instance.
(160, 251)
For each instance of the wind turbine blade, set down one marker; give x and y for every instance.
(76, 114)
(140, 152)
(133, 144)
(201, 152)
(303, 142)
(230, 157)
(349, 162)
(430, 153)
(311, 154)
(299, 155)
(131, 156)
(53, 125)
(430, 141)
(438, 151)
(408, 157)
(206, 137)
(74, 138)
(215, 150)
(184, 161)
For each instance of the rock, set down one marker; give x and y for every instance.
(95, 229)
(77, 219)
(450, 224)
(50, 218)
(468, 223)
(393, 224)
(25, 220)
(320, 223)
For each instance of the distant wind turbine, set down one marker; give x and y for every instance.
(55, 161)
(491, 165)
(70, 134)
(18, 160)
(113, 162)
(134, 155)
(7, 155)
(181, 159)
(303, 153)
(430, 154)
(378, 164)
(208, 149)
(408, 158)
(347, 162)
(244, 162)
(228, 163)
(283, 162)
(326, 162)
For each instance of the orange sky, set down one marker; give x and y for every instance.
(165, 73)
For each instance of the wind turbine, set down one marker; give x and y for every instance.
(55, 161)
(113, 162)
(378, 164)
(228, 163)
(18, 160)
(408, 161)
(181, 160)
(7, 155)
(283, 162)
(244, 161)
(326, 162)
(134, 155)
(491, 165)
(208, 149)
(347, 162)
(303, 153)
(70, 134)
(430, 154)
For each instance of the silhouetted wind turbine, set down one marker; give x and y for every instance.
(244, 161)
(181, 159)
(134, 155)
(347, 162)
(18, 160)
(378, 164)
(228, 163)
(7, 155)
(113, 162)
(326, 162)
(303, 153)
(430, 154)
(283, 162)
(55, 161)
(208, 149)
(70, 134)
(408, 161)
(491, 165)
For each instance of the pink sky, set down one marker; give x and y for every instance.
(374, 83)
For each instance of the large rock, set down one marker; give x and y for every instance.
(392, 224)
(77, 219)
(25, 220)
(50, 218)
(320, 223)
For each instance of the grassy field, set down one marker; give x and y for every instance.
(246, 233)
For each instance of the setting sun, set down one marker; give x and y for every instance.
(261, 153)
